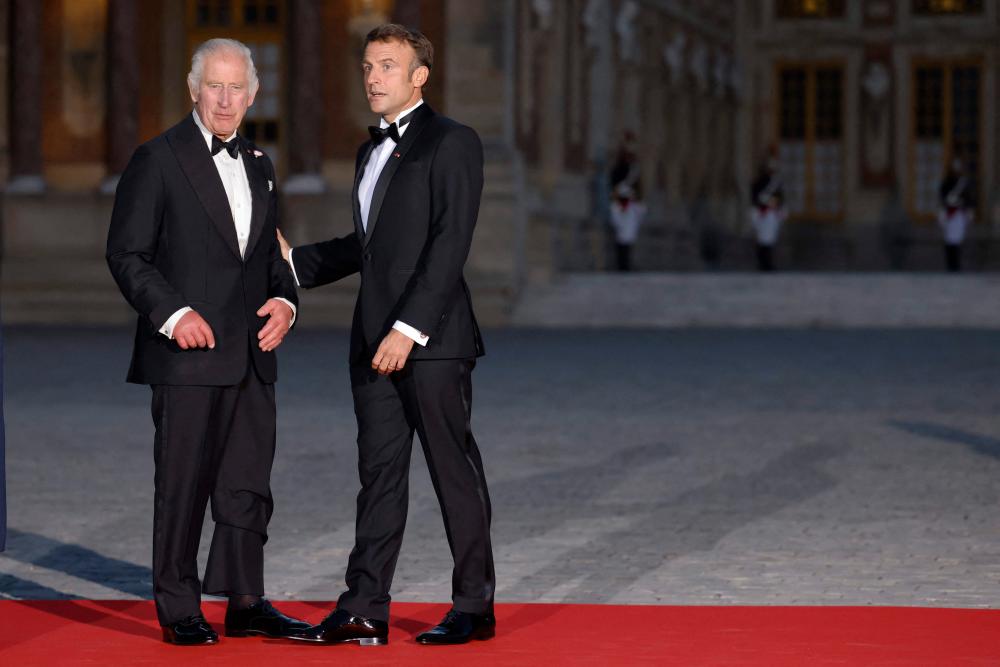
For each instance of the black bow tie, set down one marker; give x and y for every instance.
(232, 146)
(379, 134)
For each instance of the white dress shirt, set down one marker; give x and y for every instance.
(234, 180)
(373, 168)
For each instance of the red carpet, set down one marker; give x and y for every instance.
(90, 632)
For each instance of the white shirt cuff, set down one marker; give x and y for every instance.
(292, 264)
(295, 311)
(408, 331)
(168, 327)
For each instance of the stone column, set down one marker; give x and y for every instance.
(26, 98)
(123, 88)
(305, 130)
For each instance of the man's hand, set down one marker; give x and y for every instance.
(277, 326)
(392, 353)
(285, 248)
(192, 331)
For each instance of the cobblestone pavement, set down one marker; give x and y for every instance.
(670, 467)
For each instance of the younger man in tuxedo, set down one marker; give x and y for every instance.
(414, 343)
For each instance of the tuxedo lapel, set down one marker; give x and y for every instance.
(195, 159)
(359, 172)
(258, 194)
(416, 125)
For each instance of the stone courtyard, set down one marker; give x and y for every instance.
(646, 466)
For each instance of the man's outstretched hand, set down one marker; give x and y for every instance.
(285, 248)
(192, 331)
(277, 326)
(392, 353)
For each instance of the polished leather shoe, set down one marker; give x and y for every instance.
(261, 618)
(459, 627)
(342, 627)
(191, 631)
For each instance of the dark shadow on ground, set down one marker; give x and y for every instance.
(79, 562)
(980, 444)
(16, 588)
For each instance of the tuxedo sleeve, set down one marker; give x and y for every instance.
(132, 239)
(328, 261)
(281, 283)
(456, 187)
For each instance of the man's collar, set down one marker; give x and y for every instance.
(384, 124)
(205, 131)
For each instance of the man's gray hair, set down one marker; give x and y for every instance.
(221, 45)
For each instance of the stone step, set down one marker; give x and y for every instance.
(863, 300)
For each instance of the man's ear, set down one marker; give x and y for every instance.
(420, 76)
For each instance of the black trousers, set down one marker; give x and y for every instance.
(765, 257)
(212, 443)
(433, 399)
(623, 256)
(953, 257)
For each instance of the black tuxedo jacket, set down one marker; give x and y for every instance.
(172, 243)
(420, 224)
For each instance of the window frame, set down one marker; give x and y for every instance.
(948, 65)
(809, 212)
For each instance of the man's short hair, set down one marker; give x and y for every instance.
(220, 45)
(394, 32)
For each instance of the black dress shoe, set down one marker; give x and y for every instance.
(261, 618)
(191, 631)
(342, 627)
(459, 627)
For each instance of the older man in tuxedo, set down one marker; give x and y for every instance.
(192, 246)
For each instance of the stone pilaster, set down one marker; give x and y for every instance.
(123, 88)
(305, 156)
(26, 98)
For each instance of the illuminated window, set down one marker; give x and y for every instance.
(810, 128)
(810, 9)
(932, 7)
(260, 25)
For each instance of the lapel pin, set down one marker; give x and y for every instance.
(396, 155)
(270, 185)
(257, 154)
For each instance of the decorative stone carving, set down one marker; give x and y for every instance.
(876, 80)
(595, 18)
(720, 73)
(735, 78)
(673, 57)
(543, 10)
(876, 119)
(629, 48)
(698, 65)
